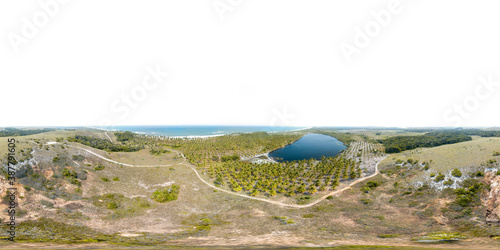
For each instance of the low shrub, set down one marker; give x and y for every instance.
(456, 173)
(99, 167)
(166, 194)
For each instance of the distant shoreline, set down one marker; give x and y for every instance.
(196, 136)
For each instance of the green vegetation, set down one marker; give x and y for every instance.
(397, 144)
(441, 237)
(112, 205)
(99, 167)
(303, 200)
(448, 182)
(58, 161)
(482, 133)
(124, 136)
(67, 173)
(104, 179)
(369, 186)
(366, 201)
(393, 205)
(157, 150)
(202, 151)
(166, 194)
(78, 157)
(22, 132)
(439, 177)
(456, 173)
(308, 216)
(284, 220)
(345, 138)
(105, 144)
(121, 206)
(72, 176)
(50, 231)
(300, 177)
(469, 193)
(384, 236)
(230, 158)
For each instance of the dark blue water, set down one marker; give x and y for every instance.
(307, 147)
(202, 130)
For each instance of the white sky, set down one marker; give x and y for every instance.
(266, 58)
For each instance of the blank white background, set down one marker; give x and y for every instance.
(265, 56)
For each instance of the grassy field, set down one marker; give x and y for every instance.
(381, 134)
(389, 212)
(469, 157)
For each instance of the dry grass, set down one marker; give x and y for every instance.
(239, 220)
(467, 156)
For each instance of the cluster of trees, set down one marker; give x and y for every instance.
(469, 194)
(482, 133)
(105, 144)
(397, 144)
(124, 136)
(157, 150)
(202, 151)
(72, 176)
(370, 185)
(229, 158)
(22, 132)
(288, 178)
(166, 194)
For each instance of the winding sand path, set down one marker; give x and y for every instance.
(106, 133)
(335, 192)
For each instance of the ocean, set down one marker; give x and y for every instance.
(197, 130)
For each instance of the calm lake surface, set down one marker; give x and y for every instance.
(309, 146)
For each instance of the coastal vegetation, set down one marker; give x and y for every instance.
(22, 132)
(287, 178)
(105, 144)
(346, 138)
(397, 144)
(402, 202)
(202, 151)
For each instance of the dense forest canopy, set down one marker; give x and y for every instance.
(22, 132)
(105, 144)
(124, 136)
(397, 144)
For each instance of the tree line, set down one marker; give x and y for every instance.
(397, 144)
(105, 144)
(22, 132)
